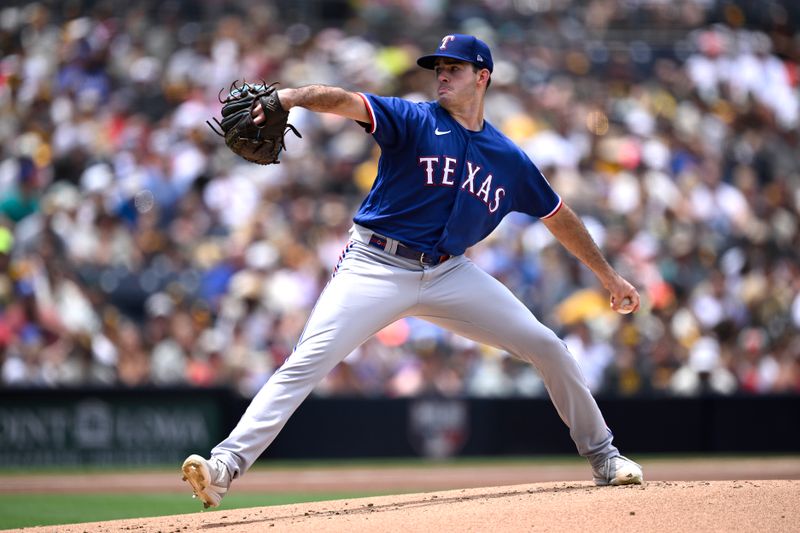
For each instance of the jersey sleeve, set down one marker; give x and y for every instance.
(538, 198)
(392, 119)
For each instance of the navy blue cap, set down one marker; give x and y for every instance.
(462, 47)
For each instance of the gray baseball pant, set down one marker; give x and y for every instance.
(372, 288)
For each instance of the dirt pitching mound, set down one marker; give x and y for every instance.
(698, 506)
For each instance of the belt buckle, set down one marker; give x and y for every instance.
(422, 259)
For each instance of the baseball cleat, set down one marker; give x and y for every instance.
(618, 470)
(209, 479)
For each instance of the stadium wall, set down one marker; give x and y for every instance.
(159, 426)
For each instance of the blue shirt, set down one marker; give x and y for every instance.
(441, 188)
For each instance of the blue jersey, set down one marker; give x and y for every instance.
(441, 188)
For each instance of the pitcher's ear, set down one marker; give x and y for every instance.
(484, 74)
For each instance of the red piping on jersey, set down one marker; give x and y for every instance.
(554, 211)
(370, 111)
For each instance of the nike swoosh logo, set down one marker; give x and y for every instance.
(437, 132)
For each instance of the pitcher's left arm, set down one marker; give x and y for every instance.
(573, 235)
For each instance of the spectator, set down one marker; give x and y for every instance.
(135, 250)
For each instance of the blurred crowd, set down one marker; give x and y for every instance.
(136, 250)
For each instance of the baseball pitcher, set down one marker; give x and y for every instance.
(446, 178)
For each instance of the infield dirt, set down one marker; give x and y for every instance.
(734, 495)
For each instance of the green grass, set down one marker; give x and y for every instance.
(299, 464)
(26, 510)
(378, 462)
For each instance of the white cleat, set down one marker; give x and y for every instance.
(209, 479)
(618, 470)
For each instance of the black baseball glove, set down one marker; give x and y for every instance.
(258, 143)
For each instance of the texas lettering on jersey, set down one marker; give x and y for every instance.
(439, 171)
(439, 187)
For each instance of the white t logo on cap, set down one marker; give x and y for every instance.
(446, 40)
